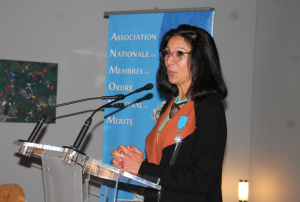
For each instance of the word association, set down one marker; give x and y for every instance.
(133, 37)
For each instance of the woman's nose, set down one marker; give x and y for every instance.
(170, 60)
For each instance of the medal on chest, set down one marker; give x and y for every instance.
(178, 139)
(180, 125)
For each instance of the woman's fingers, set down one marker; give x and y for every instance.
(127, 158)
(122, 149)
(114, 153)
(135, 149)
(118, 163)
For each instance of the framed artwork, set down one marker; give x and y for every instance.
(27, 90)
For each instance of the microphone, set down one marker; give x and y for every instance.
(119, 96)
(88, 122)
(42, 120)
(83, 131)
(149, 86)
(37, 128)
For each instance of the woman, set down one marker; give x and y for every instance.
(185, 148)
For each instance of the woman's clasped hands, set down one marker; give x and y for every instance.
(127, 158)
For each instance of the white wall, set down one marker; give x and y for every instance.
(73, 33)
(275, 133)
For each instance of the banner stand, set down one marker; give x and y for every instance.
(133, 58)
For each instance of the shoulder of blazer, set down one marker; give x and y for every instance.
(208, 103)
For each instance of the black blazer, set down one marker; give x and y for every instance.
(197, 172)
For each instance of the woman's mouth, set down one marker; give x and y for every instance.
(171, 73)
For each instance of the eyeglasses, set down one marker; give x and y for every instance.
(176, 55)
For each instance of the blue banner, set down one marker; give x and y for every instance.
(132, 62)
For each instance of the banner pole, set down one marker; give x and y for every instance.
(156, 10)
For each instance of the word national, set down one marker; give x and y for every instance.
(126, 105)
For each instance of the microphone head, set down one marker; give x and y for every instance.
(149, 86)
(146, 87)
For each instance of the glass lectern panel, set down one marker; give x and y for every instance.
(62, 181)
(67, 173)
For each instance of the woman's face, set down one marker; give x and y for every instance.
(179, 72)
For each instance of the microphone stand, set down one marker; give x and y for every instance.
(88, 122)
(42, 120)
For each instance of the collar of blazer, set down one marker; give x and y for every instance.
(166, 137)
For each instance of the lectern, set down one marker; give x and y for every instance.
(67, 172)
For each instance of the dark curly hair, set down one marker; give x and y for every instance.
(205, 68)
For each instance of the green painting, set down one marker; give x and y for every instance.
(27, 90)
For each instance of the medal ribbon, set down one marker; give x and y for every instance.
(180, 125)
(182, 121)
